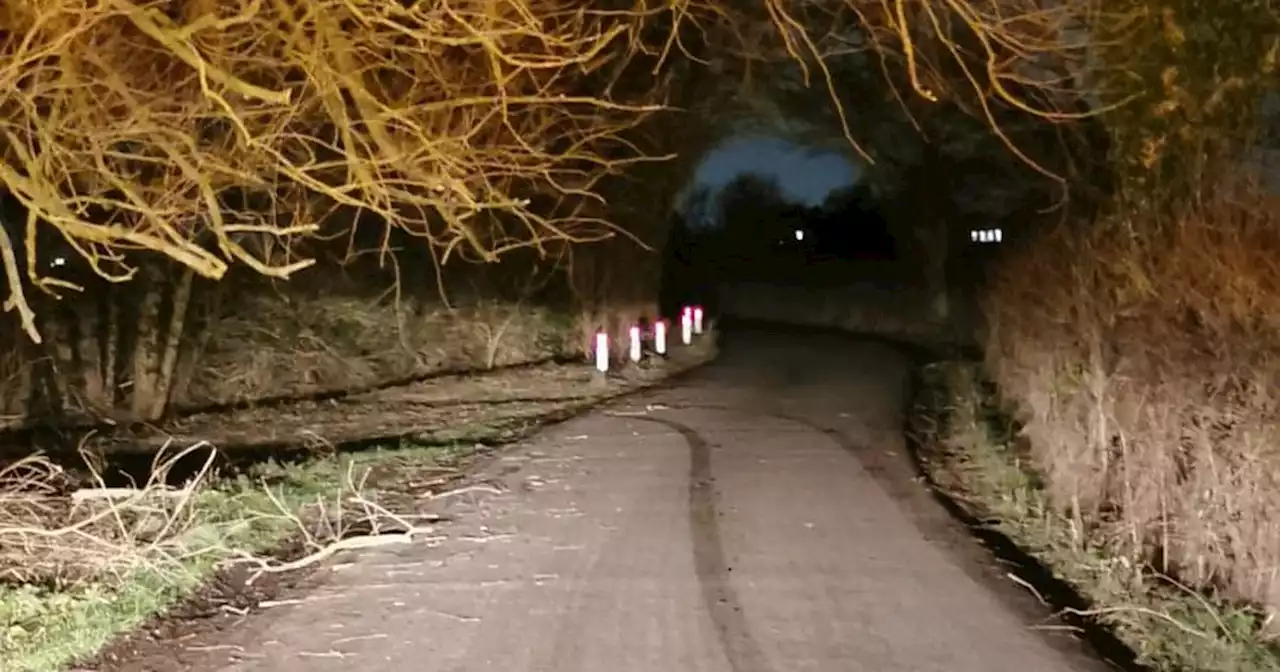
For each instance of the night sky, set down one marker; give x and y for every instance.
(804, 175)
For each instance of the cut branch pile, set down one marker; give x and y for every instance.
(105, 535)
(51, 537)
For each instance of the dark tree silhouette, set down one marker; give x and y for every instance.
(757, 222)
(849, 226)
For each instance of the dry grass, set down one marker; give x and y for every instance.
(275, 346)
(1144, 371)
(890, 311)
(270, 345)
(615, 321)
(973, 454)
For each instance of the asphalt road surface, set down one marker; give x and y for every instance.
(759, 517)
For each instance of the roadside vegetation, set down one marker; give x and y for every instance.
(83, 567)
(1142, 377)
(1123, 423)
(84, 560)
(978, 456)
(270, 346)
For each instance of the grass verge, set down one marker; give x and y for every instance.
(82, 563)
(94, 566)
(972, 453)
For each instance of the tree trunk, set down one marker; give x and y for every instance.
(934, 234)
(90, 353)
(15, 400)
(189, 360)
(934, 241)
(111, 348)
(172, 344)
(47, 400)
(147, 349)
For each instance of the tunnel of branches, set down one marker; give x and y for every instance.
(171, 167)
(199, 149)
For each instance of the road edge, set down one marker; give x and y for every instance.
(206, 603)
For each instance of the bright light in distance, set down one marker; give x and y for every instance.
(986, 235)
(799, 234)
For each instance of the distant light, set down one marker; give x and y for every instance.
(799, 235)
(986, 235)
(58, 261)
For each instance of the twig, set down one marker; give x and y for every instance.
(462, 490)
(1022, 582)
(349, 544)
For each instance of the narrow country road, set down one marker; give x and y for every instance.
(760, 517)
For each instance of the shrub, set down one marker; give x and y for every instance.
(1144, 368)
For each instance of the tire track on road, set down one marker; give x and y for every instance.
(985, 555)
(710, 561)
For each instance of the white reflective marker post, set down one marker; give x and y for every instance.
(686, 326)
(660, 337)
(697, 319)
(602, 352)
(635, 344)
